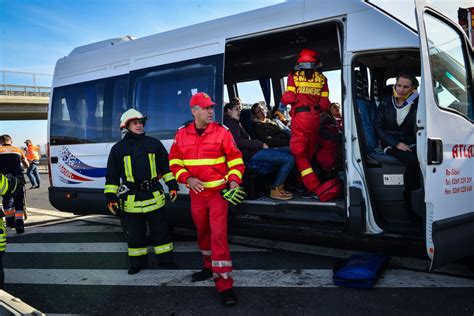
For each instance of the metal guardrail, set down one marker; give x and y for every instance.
(29, 91)
(10, 84)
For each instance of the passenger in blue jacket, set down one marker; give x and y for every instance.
(395, 126)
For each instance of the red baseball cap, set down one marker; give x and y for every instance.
(201, 99)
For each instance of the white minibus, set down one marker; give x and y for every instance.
(362, 48)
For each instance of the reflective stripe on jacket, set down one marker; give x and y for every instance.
(212, 157)
(3, 185)
(306, 92)
(3, 235)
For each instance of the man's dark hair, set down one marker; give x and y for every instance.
(229, 106)
(235, 101)
(6, 138)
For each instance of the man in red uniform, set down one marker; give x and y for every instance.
(205, 157)
(307, 92)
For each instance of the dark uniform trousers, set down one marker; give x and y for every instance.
(159, 236)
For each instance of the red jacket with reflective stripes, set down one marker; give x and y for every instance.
(306, 92)
(212, 157)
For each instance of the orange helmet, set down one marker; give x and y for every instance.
(201, 99)
(308, 56)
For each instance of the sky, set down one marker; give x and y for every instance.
(35, 34)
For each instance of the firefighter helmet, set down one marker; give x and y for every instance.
(308, 56)
(201, 99)
(130, 115)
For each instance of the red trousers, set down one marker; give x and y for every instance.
(304, 137)
(210, 217)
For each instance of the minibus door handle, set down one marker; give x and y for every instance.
(435, 151)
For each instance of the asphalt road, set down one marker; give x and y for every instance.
(68, 264)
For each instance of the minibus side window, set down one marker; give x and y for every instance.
(164, 96)
(77, 114)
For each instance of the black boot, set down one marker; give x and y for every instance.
(134, 270)
(10, 222)
(19, 226)
(228, 297)
(202, 275)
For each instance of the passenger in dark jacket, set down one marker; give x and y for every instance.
(257, 151)
(267, 130)
(395, 126)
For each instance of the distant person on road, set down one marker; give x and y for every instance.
(205, 157)
(133, 190)
(33, 157)
(8, 187)
(11, 160)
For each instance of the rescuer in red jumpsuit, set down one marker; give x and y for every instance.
(307, 92)
(329, 152)
(205, 157)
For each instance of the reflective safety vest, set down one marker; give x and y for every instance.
(138, 162)
(3, 235)
(306, 92)
(212, 157)
(32, 153)
(3, 185)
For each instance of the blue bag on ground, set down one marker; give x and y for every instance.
(360, 270)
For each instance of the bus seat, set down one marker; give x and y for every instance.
(367, 116)
(377, 158)
(387, 91)
(246, 119)
(382, 172)
(366, 109)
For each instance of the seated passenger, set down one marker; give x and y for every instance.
(254, 150)
(329, 151)
(395, 126)
(267, 130)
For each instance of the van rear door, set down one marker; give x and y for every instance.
(445, 136)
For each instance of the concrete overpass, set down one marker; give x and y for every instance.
(24, 99)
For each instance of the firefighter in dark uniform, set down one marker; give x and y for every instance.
(132, 189)
(9, 186)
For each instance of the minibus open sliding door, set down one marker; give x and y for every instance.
(445, 136)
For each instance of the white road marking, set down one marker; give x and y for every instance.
(70, 228)
(402, 262)
(104, 247)
(243, 278)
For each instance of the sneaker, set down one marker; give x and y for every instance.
(134, 270)
(309, 195)
(168, 265)
(228, 297)
(202, 275)
(32, 187)
(19, 226)
(37, 187)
